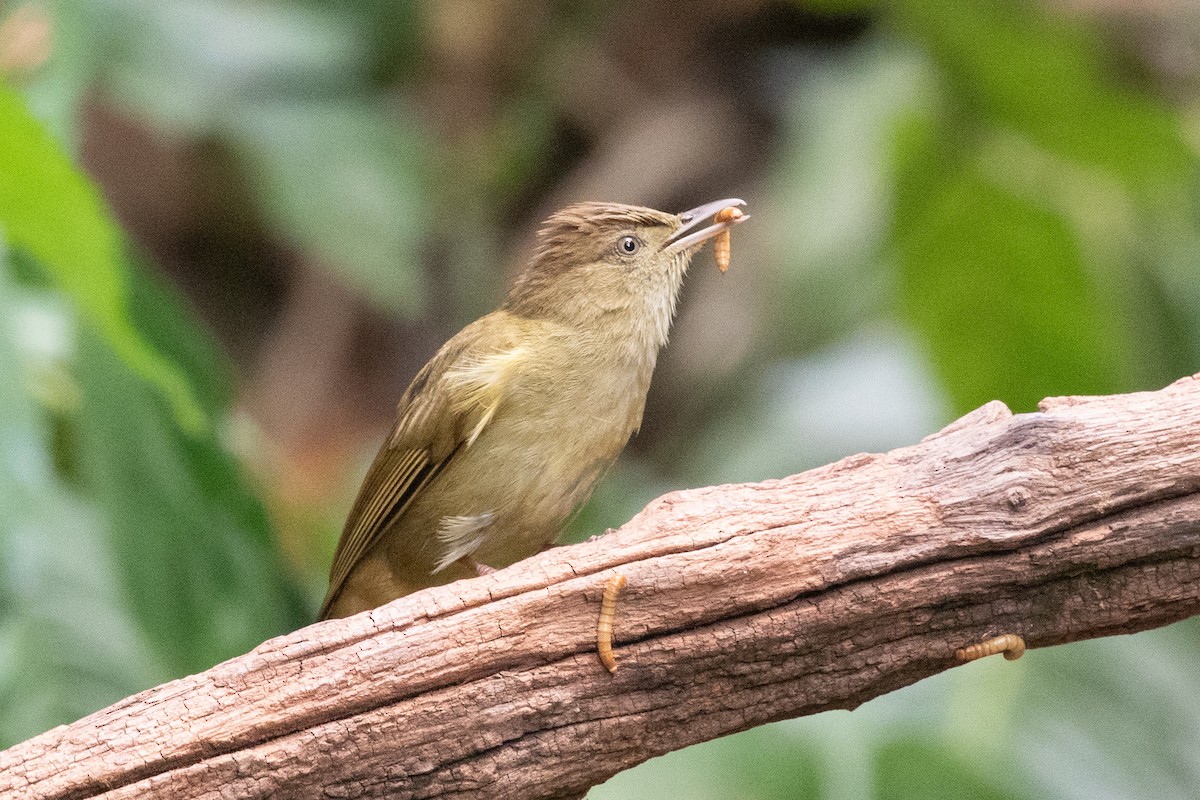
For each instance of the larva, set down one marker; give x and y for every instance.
(721, 245)
(1012, 645)
(608, 609)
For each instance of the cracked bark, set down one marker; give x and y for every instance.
(744, 604)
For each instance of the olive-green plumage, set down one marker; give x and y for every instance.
(509, 426)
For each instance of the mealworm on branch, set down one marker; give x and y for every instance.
(608, 609)
(721, 246)
(1012, 645)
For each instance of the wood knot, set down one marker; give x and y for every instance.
(1017, 497)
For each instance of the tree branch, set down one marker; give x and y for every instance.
(744, 604)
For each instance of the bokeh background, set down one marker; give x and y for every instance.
(953, 201)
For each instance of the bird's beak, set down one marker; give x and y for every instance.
(687, 237)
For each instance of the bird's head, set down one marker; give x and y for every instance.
(607, 263)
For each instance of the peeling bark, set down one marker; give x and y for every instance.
(744, 604)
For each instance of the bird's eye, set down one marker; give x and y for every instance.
(629, 245)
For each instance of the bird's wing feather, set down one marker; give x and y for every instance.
(449, 403)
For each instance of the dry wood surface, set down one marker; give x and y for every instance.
(744, 604)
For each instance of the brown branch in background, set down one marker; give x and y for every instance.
(744, 604)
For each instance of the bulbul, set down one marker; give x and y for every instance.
(507, 429)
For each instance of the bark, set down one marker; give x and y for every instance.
(744, 604)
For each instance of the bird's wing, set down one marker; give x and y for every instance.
(449, 403)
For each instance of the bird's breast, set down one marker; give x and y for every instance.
(565, 414)
(556, 433)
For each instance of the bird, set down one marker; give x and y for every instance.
(504, 433)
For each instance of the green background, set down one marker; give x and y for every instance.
(230, 232)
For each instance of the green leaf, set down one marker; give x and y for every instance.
(164, 320)
(997, 285)
(198, 563)
(159, 546)
(67, 645)
(48, 208)
(760, 764)
(198, 66)
(342, 180)
(912, 768)
(1012, 63)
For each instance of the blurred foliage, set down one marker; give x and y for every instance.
(291, 89)
(954, 202)
(339, 177)
(1025, 128)
(68, 644)
(134, 551)
(52, 212)
(199, 565)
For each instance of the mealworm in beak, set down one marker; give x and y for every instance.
(721, 245)
(608, 609)
(1012, 645)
